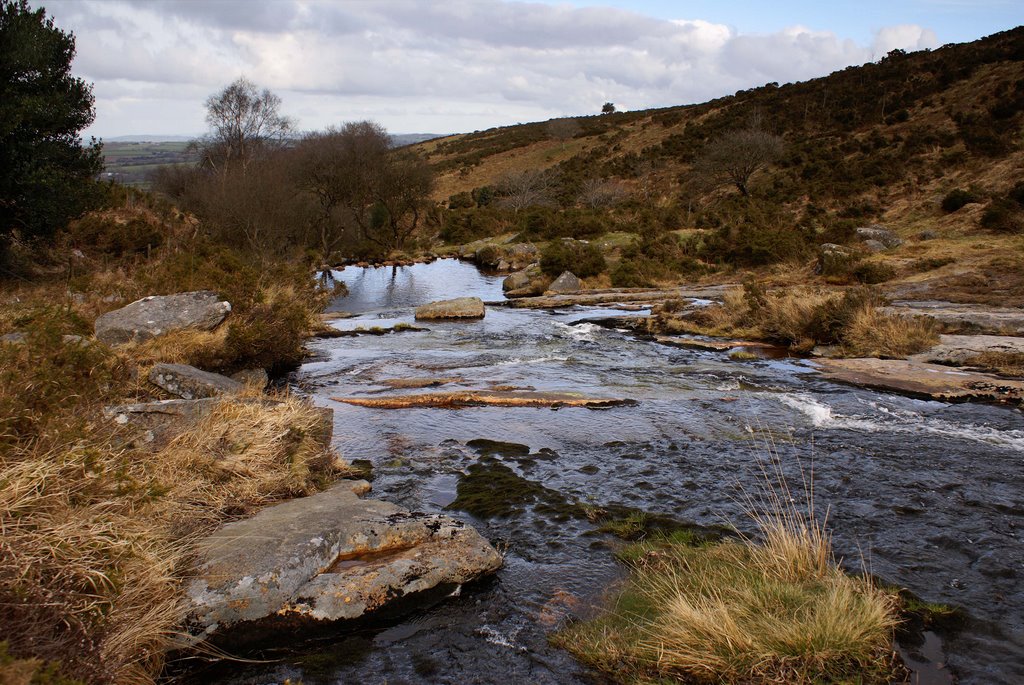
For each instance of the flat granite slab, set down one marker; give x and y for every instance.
(967, 317)
(720, 345)
(486, 398)
(919, 379)
(327, 557)
(626, 296)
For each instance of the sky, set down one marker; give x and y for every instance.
(446, 66)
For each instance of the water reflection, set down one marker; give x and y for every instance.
(377, 288)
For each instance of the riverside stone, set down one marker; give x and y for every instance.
(920, 379)
(960, 349)
(565, 284)
(190, 383)
(328, 557)
(154, 316)
(964, 317)
(459, 308)
(484, 398)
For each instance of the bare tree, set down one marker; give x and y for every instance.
(361, 185)
(524, 189)
(244, 121)
(737, 155)
(601, 192)
(563, 129)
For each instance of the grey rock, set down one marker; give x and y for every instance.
(927, 235)
(154, 424)
(16, 338)
(459, 308)
(832, 258)
(960, 349)
(190, 383)
(258, 378)
(972, 318)
(879, 233)
(519, 279)
(156, 315)
(875, 245)
(328, 557)
(919, 379)
(566, 284)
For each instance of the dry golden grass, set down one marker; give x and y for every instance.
(1003, 363)
(805, 317)
(96, 538)
(775, 611)
(872, 333)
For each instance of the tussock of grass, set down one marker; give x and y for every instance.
(96, 537)
(1003, 363)
(775, 611)
(870, 333)
(805, 317)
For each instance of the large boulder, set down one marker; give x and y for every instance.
(327, 557)
(156, 315)
(190, 383)
(459, 308)
(960, 350)
(521, 279)
(879, 233)
(565, 284)
(833, 258)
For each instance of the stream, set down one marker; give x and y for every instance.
(925, 495)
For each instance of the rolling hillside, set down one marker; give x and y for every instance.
(883, 143)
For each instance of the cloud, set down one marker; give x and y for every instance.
(904, 37)
(457, 65)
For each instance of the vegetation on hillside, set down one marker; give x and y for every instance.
(927, 142)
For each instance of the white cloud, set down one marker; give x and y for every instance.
(904, 37)
(457, 65)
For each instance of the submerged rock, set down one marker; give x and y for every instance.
(720, 345)
(190, 383)
(565, 284)
(156, 315)
(919, 379)
(481, 398)
(459, 308)
(327, 557)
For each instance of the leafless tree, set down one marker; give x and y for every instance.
(361, 185)
(736, 155)
(244, 121)
(563, 129)
(601, 192)
(524, 189)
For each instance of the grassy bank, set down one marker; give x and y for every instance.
(98, 530)
(803, 318)
(768, 611)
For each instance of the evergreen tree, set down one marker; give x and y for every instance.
(46, 175)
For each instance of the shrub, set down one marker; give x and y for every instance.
(1003, 215)
(872, 273)
(582, 259)
(957, 198)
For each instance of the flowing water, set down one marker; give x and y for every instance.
(927, 495)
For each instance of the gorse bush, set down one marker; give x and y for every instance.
(583, 259)
(957, 198)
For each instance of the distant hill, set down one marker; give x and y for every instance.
(146, 138)
(403, 139)
(886, 142)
